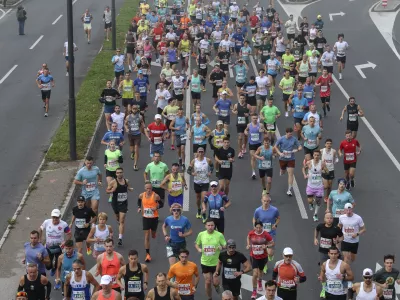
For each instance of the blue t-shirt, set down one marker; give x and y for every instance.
(118, 67)
(31, 256)
(215, 203)
(298, 106)
(272, 66)
(224, 107)
(287, 145)
(176, 226)
(45, 79)
(141, 85)
(267, 217)
(338, 201)
(311, 133)
(238, 40)
(110, 135)
(265, 25)
(90, 176)
(240, 73)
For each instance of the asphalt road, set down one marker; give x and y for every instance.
(25, 132)
(376, 176)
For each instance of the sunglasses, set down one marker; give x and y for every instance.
(367, 277)
(214, 185)
(176, 210)
(288, 256)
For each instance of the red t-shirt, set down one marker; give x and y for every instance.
(253, 21)
(256, 242)
(157, 132)
(325, 88)
(350, 150)
(163, 47)
(158, 31)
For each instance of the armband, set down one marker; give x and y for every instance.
(189, 170)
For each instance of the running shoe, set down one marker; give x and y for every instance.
(254, 295)
(289, 193)
(198, 216)
(315, 218)
(89, 251)
(53, 272)
(270, 257)
(259, 286)
(46, 115)
(204, 218)
(119, 242)
(265, 270)
(310, 206)
(286, 114)
(133, 155)
(322, 294)
(264, 192)
(148, 258)
(253, 176)
(135, 168)
(218, 289)
(110, 198)
(57, 286)
(352, 184)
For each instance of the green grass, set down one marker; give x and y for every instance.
(87, 105)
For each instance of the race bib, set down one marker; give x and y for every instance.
(78, 295)
(80, 223)
(155, 182)
(287, 154)
(185, 54)
(203, 66)
(148, 213)
(134, 286)
(209, 250)
(142, 89)
(170, 252)
(90, 186)
(316, 179)
(334, 286)
(198, 139)
(122, 197)
(266, 164)
(265, 53)
(267, 227)
(257, 249)
(183, 137)
(214, 214)
(184, 289)
(324, 88)
(241, 120)
(134, 127)
(312, 143)
(308, 95)
(349, 231)
(349, 156)
(339, 212)
(157, 140)
(218, 82)
(353, 117)
(229, 273)
(195, 86)
(112, 163)
(270, 126)
(225, 164)
(176, 186)
(255, 137)
(178, 91)
(287, 283)
(388, 293)
(325, 243)
(223, 112)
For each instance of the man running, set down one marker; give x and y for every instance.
(174, 183)
(387, 276)
(107, 18)
(225, 156)
(366, 290)
(134, 126)
(162, 290)
(354, 111)
(156, 133)
(106, 291)
(155, 173)
(330, 158)
(65, 54)
(337, 200)
(340, 48)
(270, 291)
(45, 82)
(264, 155)
(254, 131)
(78, 282)
(87, 24)
(36, 285)
(324, 82)
(348, 148)
(269, 113)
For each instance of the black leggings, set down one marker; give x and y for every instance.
(56, 253)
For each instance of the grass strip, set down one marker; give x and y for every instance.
(87, 105)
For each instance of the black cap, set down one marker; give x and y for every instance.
(81, 198)
(231, 242)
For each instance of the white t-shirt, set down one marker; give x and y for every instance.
(225, 43)
(351, 225)
(66, 48)
(265, 298)
(290, 27)
(163, 101)
(262, 85)
(341, 48)
(119, 119)
(55, 233)
(234, 11)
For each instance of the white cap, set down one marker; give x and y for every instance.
(224, 93)
(348, 205)
(213, 183)
(56, 213)
(219, 122)
(368, 272)
(288, 251)
(106, 279)
(157, 116)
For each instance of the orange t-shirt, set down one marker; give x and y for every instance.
(111, 267)
(149, 206)
(184, 276)
(184, 22)
(287, 273)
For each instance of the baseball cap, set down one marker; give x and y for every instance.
(106, 279)
(348, 205)
(231, 242)
(157, 116)
(214, 183)
(368, 272)
(219, 122)
(56, 213)
(288, 251)
(224, 93)
(200, 149)
(140, 72)
(81, 198)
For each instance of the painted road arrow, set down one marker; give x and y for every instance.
(396, 285)
(336, 14)
(364, 66)
(247, 284)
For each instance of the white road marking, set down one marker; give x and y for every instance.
(101, 48)
(231, 72)
(336, 14)
(37, 42)
(56, 20)
(364, 66)
(295, 9)
(73, 2)
(296, 189)
(4, 13)
(8, 74)
(156, 64)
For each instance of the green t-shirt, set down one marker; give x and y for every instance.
(112, 159)
(287, 60)
(209, 244)
(309, 52)
(156, 172)
(287, 85)
(269, 114)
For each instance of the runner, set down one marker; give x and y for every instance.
(201, 168)
(45, 82)
(163, 97)
(287, 85)
(334, 274)
(263, 84)
(149, 204)
(254, 131)
(135, 275)
(118, 60)
(134, 126)
(209, 243)
(269, 113)
(299, 106)
(225, 156)
(249, 90)
(324, 82)
(353, 112)
(35, 285)
(194, 83)
(327, 59)
(200, 133)
(65, 54)
(180, 125)
(183, 272)
(142, 85)
(108, 96)
(35, 253)
(57, 232)
(87, 24)
(216, 78)
(180, 228)
(78, 282)
(366, 290)
(387, 276)
(184, 47)
(156, 133)
(230, 266)
(241, 68)
(258, 241)
(312, 135)
(288, 274)
(348, 149)
(338, 199)
(270, 291)
(286, 147)
(162, 289)
(272, 66)
(107, 18)
(126, 88)
(112, 159)
(242, 110)
(264, 156)
(174, 183)
(352, 226)
(109, 263)
(155, 173)
(113, 135)
(330, 157)
(178, 86)
(340, 48)
(106, 292)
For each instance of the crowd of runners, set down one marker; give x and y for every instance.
(178, 42)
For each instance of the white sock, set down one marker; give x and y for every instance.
(316, 209)
(120, 236)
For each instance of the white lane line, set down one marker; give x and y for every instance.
(37, 42)
(101, 48)
(4, 13)
(56, 20)
(370, 128)
(231, 72)
(8, 74)
(73, 2)
(296, 190)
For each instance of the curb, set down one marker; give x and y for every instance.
(383, 9)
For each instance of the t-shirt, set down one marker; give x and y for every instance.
(157, 132)
(286, 146)
(311, 134)
(90, 176)
(82, 216)
(66, 48)
(223, 107)
(184, 276)
(156, 172)
(265, 298)
(287, 85)
(269, 113)
(267, 217)
(55, 233)
(325, 88)
(349, 149)
(119, 65)
(287, 60)
(231, 264)
(215, 202)
(224, 155)
(209, 247)
(382, 276)
(338, 201)
(262, 83)
(181, 225)
(350, 226)
(257, 240)
(31, 255)
(327, 235)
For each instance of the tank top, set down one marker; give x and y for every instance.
(112, 159)
(314, 64)
(66, 266)
(35, 289)
(112, 297)
(199, 135)
(149, 203)
(315, 175)
(175, 185)
(166, 297)
(157, 33)
(184, 46)
(121, 192)
(80, 289)
(308, 91)
(334, 285)
(352, 113)
(147, 50)
(195, 84)
(180, 122)
(127, 90)
(171, 54)
(313, 33)
(133, 282)
(87, 18)
(130, 40)
(280, 46)
(111, 267)
(303, 69)
(327, 157)
(218, 138)
(363, 295)
(103, 235)
(254, 134)
(134, 124)
(241, 110)
(202, 62)
(267, 162)
(201, 168)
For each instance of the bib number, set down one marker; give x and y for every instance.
(148, 213)
(134, 286)
(214, 213)
(350, 156)
(122, 197)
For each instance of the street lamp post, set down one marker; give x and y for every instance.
(71, 99)
(114, 26)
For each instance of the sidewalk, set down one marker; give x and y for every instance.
(392, 5)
